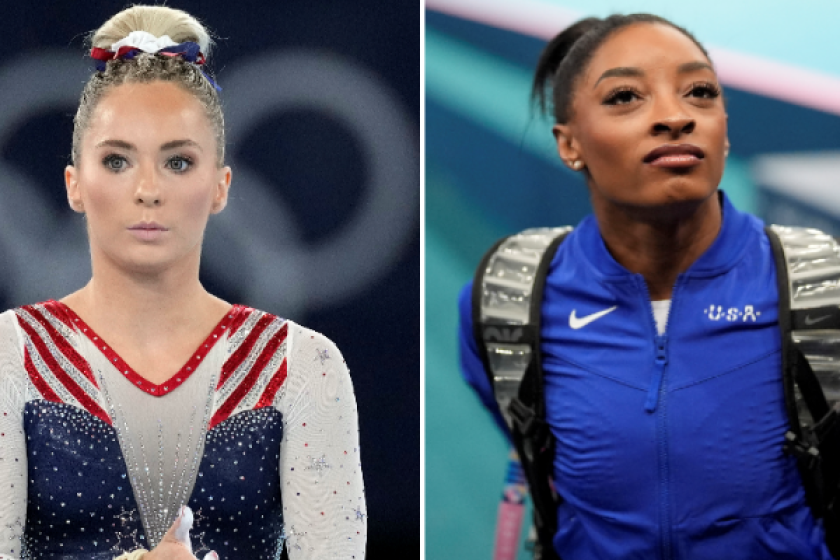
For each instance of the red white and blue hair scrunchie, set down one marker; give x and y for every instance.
(143, 41)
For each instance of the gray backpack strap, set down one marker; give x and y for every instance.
(505, 315)
(507, 300)
(812, 263)
(808, 271)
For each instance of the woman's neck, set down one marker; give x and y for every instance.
(146, 306)
(658, 243)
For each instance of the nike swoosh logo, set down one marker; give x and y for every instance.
(579, 323)
(809, 321)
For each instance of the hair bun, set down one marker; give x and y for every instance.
(157, 20)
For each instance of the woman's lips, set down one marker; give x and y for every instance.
(676, 161)
(148, 231)
(675, 156)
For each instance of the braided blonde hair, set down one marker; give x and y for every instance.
(146, 67)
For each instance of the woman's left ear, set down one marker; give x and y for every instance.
(726, 148)
(220, 197)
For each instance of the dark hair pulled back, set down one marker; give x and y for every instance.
(569, 52)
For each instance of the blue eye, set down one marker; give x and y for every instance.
(114, 162)
(179, 164)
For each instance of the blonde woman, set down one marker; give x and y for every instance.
(141, 416)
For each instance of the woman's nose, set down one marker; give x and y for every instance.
(675, 125)
(148, 190)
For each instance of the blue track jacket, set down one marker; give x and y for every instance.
(668, 447)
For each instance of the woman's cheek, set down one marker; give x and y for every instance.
(102, 204)
(607, 162)
(199, 201)
(607, 146)
(195, 206)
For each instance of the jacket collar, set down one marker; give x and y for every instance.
(738, 231)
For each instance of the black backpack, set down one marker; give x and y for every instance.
(506, 301)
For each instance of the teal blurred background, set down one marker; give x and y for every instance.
(491, 170)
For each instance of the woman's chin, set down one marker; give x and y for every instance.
(145, 263)
(678, 192)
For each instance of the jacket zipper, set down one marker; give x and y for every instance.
(657, 403)
(660, 342)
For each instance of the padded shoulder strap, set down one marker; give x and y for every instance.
(808, 274)
(506, 300)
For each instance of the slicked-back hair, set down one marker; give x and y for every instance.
(147, 68)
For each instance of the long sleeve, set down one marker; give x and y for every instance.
(12, 441)
(323, 493)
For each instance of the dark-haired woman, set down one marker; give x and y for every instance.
(682, 460)
(141, 416)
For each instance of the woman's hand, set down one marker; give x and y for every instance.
(176, 544)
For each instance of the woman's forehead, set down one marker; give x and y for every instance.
(161, 94)
(644, 46)
(150, 108)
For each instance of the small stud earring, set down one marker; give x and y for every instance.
(577, 165)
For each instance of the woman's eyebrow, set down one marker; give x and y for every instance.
(687, 67)
(634, 72)
(117, 144)
(179, 144)
(621, 72)
(166, 146)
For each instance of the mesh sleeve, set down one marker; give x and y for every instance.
(12, 440)
(320, 470)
